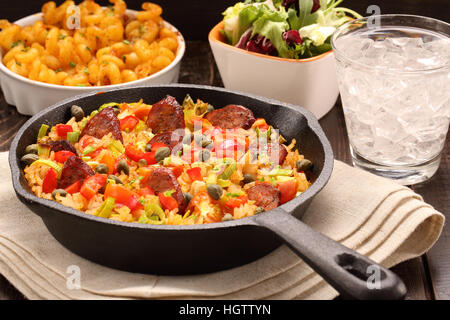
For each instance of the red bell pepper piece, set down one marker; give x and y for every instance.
(122, 195)
(129, 122)
(63, 155)
(92, 184)
(236, 202)
(135, 154)
(74, 188)
(146, 191)
(167, 202)
(177, 170)
(87, 140)
(50, 181)
(63, 129)
(288, 190)
(195, 173)
(142, 111)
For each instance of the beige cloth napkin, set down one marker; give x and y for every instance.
(379, 218)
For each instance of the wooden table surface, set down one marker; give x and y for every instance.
(427, 277)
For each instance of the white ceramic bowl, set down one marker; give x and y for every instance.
(310, 83)
(31, 96)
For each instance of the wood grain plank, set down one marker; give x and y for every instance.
(436, 192)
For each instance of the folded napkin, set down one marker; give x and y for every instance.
(385, 221)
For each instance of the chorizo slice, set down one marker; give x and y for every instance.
(230, 117)
(166, 115)
(74, 170)
(265, 195)
(170, 138)
(62, 145)
(163, 179)
(101, 124)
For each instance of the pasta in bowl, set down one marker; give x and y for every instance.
(68, 50)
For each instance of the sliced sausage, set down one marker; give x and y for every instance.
(169, 138)
(276, 152)
(231, 116)
(163, 179)
(265, 195)
(166, 115)
(74, 170)
(279, 149)
(104, 122)
(62, 145)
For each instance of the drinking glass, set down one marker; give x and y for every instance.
(394, 79)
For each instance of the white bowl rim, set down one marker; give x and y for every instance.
(178, 57)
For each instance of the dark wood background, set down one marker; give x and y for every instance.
(427, 277)
(195, 17)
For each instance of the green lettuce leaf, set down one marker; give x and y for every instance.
(272, 24)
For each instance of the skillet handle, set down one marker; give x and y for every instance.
(352, 274)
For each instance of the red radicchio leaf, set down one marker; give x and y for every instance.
(292, 37)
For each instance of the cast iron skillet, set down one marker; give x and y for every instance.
(199, 249)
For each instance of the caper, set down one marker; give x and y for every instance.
(122, 167)
(101, 168)
(209, 108)
(215, 191)
(248, 178)
(115, 179)
(29, 158)
(227, 217)
(142, 163)
(32, 148)
(77, 112)
(259, 210)
(187, 139)
(162, 153)
(207, 143)
(202, 141)
(61, 192)
(204, 155)
(303, 165)
(187, 197)
(148, 148)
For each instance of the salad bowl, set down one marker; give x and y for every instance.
(309, 82)
(281, 49)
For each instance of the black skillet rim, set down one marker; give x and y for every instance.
(290, 206)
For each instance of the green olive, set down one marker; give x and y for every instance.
(32, 148)
(122, 167)
(61, 192)
(148, 148)
(259, 210)
(187, 197)
(215, 191)
(77, 112)
(227, 217)
(115, 179)
(142, 163)
(248, 178)
(161, 154)
(304, 165)
(101, 168)
(29, 158)
(204, 155)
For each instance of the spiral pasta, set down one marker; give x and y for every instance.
(89, 45)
